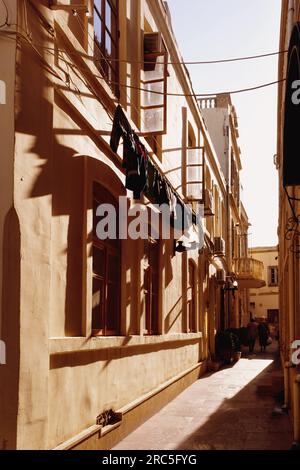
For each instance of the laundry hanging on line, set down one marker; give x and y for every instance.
(143, 177)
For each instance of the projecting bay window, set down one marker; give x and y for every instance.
(106, 275)
(106, 37)
(154, 86)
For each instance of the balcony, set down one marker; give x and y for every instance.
(249, 273)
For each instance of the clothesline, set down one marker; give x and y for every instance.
(142, 174)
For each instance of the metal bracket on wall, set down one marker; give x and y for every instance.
(292, 233)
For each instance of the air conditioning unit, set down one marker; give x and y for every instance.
(208, 203)
(219, 244)
(221, 276)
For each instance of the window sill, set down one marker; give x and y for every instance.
(71, 344)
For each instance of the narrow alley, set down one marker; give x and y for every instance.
(233, 409)
(149, 226)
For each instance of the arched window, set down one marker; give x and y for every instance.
(106, 272)
(192, 297)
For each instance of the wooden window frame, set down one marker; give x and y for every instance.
(270, 269)
(106, 64)
(151, 309)
(153, 57)
(109, 250)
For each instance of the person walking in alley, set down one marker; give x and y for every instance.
(252, 334)
(263, 335)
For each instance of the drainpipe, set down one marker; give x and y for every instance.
(297, 410)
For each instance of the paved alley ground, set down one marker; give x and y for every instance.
(233, 409)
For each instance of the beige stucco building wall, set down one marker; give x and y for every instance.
(289, 267)
(57, 124)
(266, 298)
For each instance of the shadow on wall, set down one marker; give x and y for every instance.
(80, 358)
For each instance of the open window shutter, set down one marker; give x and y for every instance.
(195, 173)
(154, 105)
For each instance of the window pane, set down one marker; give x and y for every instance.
(106, 40)
(159, 69)
(98, 261)
(108, 45)
(97, 304)
(108, 15)
(151, 285)
(112, 320)
(194, 156)
(95, 206)
(194, 174)
(97, 27)
(113, 268)
(153, 99)
(97, 4)
(153, 119)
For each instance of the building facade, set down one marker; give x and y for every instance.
(221, 120)
(289, 195)
(264, 302)
(101, 333)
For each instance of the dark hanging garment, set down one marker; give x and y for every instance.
(130, 161)
(163, 192)
(152, 174)
(135, 161)
(135, 155)
(121, 127)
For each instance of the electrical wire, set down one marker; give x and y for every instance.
(179, 197)
(205, 62)
(203, 95)
(196, 95)
(125, 61)
(29, 41)
(7, 15)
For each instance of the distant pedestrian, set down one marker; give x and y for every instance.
(252, 334)
(263, 335)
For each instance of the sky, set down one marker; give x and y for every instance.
(218, 29)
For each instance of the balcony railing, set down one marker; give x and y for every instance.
(249, 272)
(207, 103)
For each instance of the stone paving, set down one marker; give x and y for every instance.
(232, 409)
